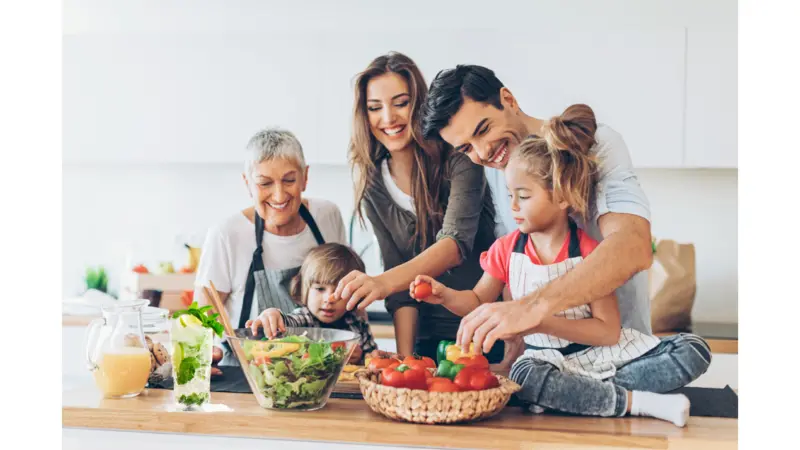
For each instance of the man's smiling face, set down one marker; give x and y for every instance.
(486, 134)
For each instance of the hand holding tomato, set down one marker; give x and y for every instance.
(426, 289)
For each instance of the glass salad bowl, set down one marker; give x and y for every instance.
(296, 370)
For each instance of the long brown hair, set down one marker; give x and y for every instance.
(561, 159)
(366, 151)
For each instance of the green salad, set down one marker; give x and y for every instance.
(294, 371)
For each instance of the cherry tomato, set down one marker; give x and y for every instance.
(477, 361)
(422, 290)
(393, 378)
(422, 362)
(483, 380)
(336, 345)
(444, 386)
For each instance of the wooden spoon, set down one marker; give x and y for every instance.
(213, 296)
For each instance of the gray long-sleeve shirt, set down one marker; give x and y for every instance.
(468, 219)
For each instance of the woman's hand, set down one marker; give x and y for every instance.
(271, 320)
(426, 289)
(360, 289)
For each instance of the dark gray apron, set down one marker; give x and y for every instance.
(271, 285)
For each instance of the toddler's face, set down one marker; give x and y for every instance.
(322, 303)
(532, 206)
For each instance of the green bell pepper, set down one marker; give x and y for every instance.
(448, 369)
(441, 350)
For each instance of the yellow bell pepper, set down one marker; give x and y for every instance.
(453, 352)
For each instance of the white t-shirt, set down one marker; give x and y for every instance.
(229, 246)
(402, 199)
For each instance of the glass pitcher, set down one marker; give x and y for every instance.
(116, 351)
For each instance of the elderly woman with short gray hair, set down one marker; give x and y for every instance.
(252, 255)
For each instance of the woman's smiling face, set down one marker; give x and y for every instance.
(389, 110)
(276, 187)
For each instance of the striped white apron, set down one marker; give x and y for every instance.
(595, 362)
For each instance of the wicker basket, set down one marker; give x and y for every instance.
(419, 406)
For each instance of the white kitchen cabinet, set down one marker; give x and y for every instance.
(184, 97)
(712, 98)
(161, 98)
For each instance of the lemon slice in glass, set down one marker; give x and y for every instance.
(188, 320)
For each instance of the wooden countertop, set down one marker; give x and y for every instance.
(352, 421)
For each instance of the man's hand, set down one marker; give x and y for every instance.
(491, 322)
(360, 289)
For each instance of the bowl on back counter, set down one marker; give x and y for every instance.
(296, 370)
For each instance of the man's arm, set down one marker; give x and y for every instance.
(625, 251)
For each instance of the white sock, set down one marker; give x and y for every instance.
(670, 407)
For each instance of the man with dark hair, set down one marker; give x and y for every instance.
(471, 109)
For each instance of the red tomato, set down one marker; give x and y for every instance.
(336, 345)
(377, 364)
(415, 379)
(477, 361)
(422, 362)
(305, 356)
(422, 290)
(483, 380)
(432, 380)
(393, 378)
(444, 386)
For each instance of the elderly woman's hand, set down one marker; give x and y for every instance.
(360, 289)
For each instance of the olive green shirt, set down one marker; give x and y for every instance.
(468, 220)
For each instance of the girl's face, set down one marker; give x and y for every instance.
(532, 205)
(389, 111)
(322, 303)
(276, 187)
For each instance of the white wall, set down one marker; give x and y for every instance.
(109, 208)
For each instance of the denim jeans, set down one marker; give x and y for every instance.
(675, 362)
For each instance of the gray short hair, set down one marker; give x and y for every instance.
(273, 143)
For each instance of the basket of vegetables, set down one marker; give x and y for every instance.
(420, 391)
(296, 371)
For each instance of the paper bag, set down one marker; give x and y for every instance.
(673, 283)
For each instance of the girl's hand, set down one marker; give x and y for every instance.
(514, 348)
(360, 289)
(271, 320)
(422, 293)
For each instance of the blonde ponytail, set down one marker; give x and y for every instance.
(562, 158)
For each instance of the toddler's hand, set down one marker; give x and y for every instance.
(426, 289)
(356, 356)
(271, 320)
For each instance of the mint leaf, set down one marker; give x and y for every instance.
(187, 369)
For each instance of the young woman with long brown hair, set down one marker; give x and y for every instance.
(430, 208)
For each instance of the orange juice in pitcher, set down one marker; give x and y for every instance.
(123, 372)
(117, 352)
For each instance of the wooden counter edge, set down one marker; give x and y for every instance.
(379, 431)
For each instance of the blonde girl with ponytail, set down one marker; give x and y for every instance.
(580, 360)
